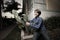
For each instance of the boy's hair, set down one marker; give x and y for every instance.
(38, 11)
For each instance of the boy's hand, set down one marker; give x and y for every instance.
(27, 24)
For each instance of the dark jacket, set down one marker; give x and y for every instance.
(37, 24)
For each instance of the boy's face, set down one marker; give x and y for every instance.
(35, 13)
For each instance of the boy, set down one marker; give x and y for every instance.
(37, 24)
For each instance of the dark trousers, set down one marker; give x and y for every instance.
(36, 36)
(41, 35)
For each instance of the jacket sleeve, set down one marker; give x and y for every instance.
(36, 24)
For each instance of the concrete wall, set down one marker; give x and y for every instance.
(53, 5)
(41, 5)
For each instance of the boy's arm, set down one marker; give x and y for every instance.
(36, 24)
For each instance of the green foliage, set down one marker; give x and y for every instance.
(53, 26)
(52, 23)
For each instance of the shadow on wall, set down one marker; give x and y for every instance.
(53, 26)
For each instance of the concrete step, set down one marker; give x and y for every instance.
(24, 36)
(27, 37)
